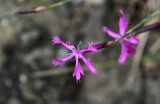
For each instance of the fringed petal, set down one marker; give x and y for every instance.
(90, 65)
(57, 62)
(57, 40)
(122, 22)
(123, 55)
(110, 33)
(78, 71)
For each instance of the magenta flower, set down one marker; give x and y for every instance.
(78, 54)
(128, 44)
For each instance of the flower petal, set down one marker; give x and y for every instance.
(133, 40)
(57, 40)
(122, 23)
(130, 48)
(78, 71)
(91, 48)
(89, 64)
(57, 62)
(110, 33)
(123, 56)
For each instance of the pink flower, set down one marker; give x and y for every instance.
(78, 54)
(128, 44)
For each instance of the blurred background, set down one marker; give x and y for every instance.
(26, 51)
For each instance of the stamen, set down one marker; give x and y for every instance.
(78, 46)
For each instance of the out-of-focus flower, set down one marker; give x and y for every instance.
(78, 54)
(128, 43)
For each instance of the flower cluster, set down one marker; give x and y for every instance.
(127, 43)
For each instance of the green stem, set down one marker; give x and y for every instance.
(58, 4)
(37, 9)
(145, 20)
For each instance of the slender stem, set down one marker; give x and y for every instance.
(59, 4)
(145, 20)
(145, 28)
(42, 8)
